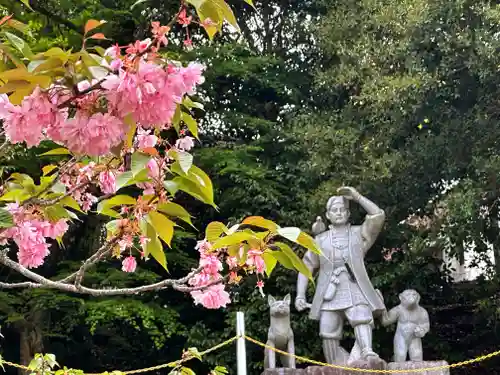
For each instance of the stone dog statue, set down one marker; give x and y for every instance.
(412, 324)
(280, 334)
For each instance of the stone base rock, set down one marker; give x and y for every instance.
(377, 364)
(418, 365)
(284, 371)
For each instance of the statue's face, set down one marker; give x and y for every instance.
(409, 298)
(338, 214)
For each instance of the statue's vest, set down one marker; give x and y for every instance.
(355, 260)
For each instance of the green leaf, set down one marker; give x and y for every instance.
(296, 235)
(117, 200)
(259, 221)
(129, 120)
(139, 161)
(270, 262)
(153, 246)
(232, 239)
(59, 187)
(27, 4)
(17, 195)
(171, 186)
(195, 190)
(163, 226)
(137, 3)
(294, 258)
(190, 123)
(195, 353)
(290, 233)
(308, 242)
(188, 103)
(111, 227)
(56, 212)
(282, 259)
(6, 219)
(214, 230)
(196, 183)
(20, 44)
(175, 210)
(48, 168)
(220, 370)
(185, 160)
(176, 119)
(57, 151)
(71, 203)
(124, 179)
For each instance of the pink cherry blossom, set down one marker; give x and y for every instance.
(192, 76)
(29, 121)
(151, 94)
(160, 32)
(129, 264)
(211, 264)
(214, 297)
(232, 262)
(94, 135)
(254, 258)
(32, 245)
(126, 242)
(107, 182)
(144, 139)
(203, 247)
(185, 143)
(153, 169)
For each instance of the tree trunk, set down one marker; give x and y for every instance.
(31, 338)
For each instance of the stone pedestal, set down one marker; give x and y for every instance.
(419, 365)
(324, 370)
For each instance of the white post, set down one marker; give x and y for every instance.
(241, 354)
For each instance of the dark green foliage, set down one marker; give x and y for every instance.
(393, 97)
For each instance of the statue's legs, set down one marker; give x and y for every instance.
(361, 319)
(330, 330)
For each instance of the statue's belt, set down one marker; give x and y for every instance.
(337, 271)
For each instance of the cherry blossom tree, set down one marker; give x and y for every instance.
(122, 123)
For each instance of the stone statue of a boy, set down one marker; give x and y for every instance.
(343, 288)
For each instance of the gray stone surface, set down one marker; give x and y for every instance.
(280, 334)
(324, 370)
(412, 325)
(419, 365)
(343, 289)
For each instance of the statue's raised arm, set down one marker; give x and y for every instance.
(375, 216)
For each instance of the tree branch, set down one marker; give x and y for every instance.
(38, 281)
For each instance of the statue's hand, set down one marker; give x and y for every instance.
(419, 332)
(349, 192)
(301, 304)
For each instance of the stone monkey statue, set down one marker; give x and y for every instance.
(412, 324)
(280, 335)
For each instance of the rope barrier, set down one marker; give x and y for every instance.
(307, 360)
(298, 358)
(142, 370)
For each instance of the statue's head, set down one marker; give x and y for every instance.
(279, 307)
(337, 210)
(410, 298)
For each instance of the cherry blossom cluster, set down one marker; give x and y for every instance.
(150, 93)
(30, 233)
(90, 119)
(214, 295)
(108, 119)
